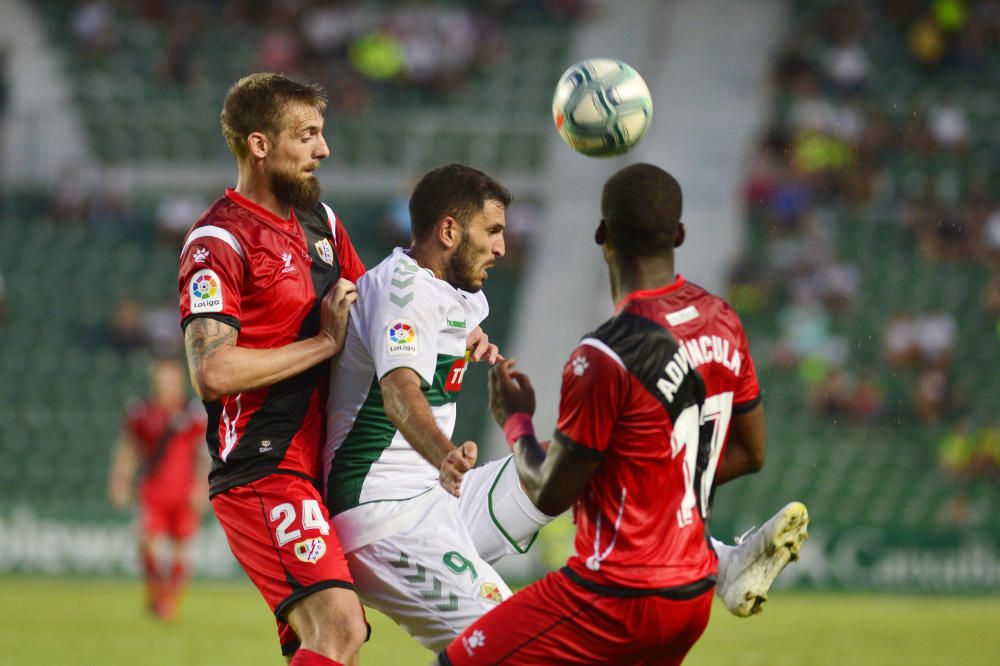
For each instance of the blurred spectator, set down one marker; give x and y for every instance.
(179, 65)
(927, 43)
(840, 396)
(281, 51)
(968, 452)
(847, 65)
(839, 282)
(93, 25)
(127, 331)
(934, 396)
(749, 289)
(949, 125)
(868, 401)
(805, 334)
(899, 340)
(936, 337)
(833, 397)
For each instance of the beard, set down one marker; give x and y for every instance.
(294, 190)
(461, 268)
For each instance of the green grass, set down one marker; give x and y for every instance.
(80, 622)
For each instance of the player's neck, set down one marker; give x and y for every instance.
(257, 190)
(641, 274)
(430, 260)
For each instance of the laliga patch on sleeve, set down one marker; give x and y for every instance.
(401, 338)
(206, 292)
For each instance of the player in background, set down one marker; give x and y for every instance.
(418, 553)
(646, 403)
(266, 288)
(162, 442)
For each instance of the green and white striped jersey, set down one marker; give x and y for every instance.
(405, 317)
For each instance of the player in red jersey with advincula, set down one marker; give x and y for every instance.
(162, 441)
(266, 283)
(644, 415)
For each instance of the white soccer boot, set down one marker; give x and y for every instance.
(747, 570)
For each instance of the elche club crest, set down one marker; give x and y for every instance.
(490, 592)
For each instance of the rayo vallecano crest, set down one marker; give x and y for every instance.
(325, 250)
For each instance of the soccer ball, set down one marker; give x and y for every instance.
(601, 107)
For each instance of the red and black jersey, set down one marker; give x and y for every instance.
(651, 393)
(265, 276)
(168, 443)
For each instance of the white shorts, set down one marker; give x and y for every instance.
(435, 577)
(428, 578)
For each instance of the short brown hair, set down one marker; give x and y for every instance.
(455, 190)
(257, 102)
(641, 206)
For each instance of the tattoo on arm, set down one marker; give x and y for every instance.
(204, 336)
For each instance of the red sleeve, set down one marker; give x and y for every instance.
(351, 267)
(747, 393)
(211, 276)
(593, 388)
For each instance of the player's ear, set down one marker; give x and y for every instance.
(681, 235)
(601, 235)
(449, 232)
(258, 145)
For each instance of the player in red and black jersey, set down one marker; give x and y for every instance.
(266, 284)
(647, 404)
(162, 441)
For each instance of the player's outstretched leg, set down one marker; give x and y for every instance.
(747, 570)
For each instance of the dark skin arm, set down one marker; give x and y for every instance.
(746, 447)
(552, 479)
(410, 412)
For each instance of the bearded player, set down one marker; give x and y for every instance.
(266, 288)
(641, 441)
(420, 528)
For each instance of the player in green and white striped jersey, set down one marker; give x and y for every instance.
(420, 527)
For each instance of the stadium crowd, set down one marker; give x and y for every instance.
(861, 134)
(351, 48)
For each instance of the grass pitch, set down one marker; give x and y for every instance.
(78, 622)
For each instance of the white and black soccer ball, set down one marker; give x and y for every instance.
(601, 107)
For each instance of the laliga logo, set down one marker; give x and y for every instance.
(204, 287)
(401, 334)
